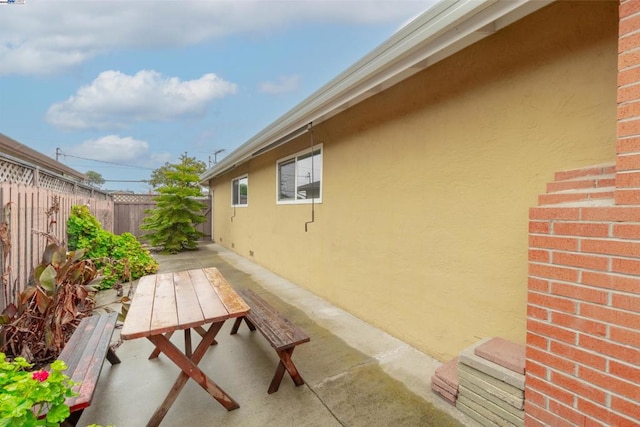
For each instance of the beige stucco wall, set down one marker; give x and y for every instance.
(422, 229)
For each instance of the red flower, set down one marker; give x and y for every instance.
(40, 375)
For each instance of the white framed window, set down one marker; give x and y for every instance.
(240, 191)
(299, 177)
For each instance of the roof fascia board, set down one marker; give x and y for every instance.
(12, 147)
(440, 32)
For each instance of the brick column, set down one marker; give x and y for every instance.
(628, 144)
(583, 307)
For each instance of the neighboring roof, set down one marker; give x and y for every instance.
(19, 151)
(441, 31)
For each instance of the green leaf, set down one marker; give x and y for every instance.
(48, 279)
(59, 257)
(58, 413)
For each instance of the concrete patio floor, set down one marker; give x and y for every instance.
(355, 374)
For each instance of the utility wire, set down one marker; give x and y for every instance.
(104, 161)
(126, 180)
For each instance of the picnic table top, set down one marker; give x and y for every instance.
(167, 302)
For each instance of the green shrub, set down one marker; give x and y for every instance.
(26, 394)
(120, 257)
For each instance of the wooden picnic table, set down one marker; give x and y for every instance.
(167, 302)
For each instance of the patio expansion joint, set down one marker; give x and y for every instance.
(327, 407)
(380, 357)
(332, 378)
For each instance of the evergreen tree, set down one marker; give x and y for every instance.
(94, 179)
(172, 223)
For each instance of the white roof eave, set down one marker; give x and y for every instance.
(443, 30)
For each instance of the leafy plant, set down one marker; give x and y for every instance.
(172, 223)
(119, 257)
(159, 177)
(94, 179)
(50, 308)
(27, 394)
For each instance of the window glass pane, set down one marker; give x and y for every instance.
(235, 192)
(243, 190)
(286, 180)
(240, 191)
(309, 175)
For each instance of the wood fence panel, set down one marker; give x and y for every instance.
(23, 211)
(128, 217)
(129, 212)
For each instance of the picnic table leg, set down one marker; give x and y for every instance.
(156, 352)
(189, 370)
(285, 364)
(200, 330)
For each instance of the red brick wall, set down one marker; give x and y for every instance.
(628, 144)
(583, 309)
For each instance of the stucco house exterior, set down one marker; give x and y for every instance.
(473, 176)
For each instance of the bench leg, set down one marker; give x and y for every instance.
(285, 364)
(238, 322)
(72, 419)
(112, 357)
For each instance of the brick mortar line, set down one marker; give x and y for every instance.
(578, 332)
(593, 419)
(607, 238)
(574, 376)
(626, 137)
(587, 287)
(590, 270)
(581, 252)
(582, 301)
(608, 393)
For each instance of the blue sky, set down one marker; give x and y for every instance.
(138, 82)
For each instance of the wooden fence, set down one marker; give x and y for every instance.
(129, 211)
(33, 201)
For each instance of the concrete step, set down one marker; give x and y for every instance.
(488, 410)
(497, 386)
(490, 392)
(444, 381)
(497, 406)
(469, 358)
(504, 353)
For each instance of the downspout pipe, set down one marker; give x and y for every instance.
(313, 197)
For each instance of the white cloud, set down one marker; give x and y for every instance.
(111, 148)
(50, 36)
(115, 99)
(283, 85)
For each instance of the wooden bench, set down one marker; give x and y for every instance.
(279, 332)
(84, 354)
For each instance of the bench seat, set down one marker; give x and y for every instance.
(281, 334)
(84, 355)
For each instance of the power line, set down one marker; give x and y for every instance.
(100, 161)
